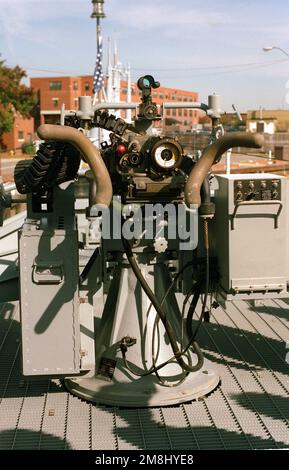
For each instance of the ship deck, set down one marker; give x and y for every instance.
(249, 410)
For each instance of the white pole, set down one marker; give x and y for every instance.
(116, 84)
(109, 91)
(270, 159)
(228, 162)
(128, 94)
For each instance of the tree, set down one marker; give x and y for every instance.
(15, 97)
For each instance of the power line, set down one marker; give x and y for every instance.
(187, 69)
(60, 72)
(252, 67)
(233, 68)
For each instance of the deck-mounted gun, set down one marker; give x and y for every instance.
(105, 280)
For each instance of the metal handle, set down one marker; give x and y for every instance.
(48, 272)
(257, 203)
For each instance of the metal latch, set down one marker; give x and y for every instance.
(48, 272)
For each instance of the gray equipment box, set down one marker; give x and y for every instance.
(48, 254)
(251, 226)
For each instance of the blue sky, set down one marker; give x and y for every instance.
(207, 46)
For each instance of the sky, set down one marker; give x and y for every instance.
(205, 46)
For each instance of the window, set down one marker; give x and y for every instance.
(124, 91)
(55, 102)
(168, 112)
(260, 126)
(185, 112)
(86, 86)
(20, 135)
(75, 85)
(179, 112)
(185, 98)
(185, 123)
(191, 113)
(191, 99)
(55, 85)
(174, 112)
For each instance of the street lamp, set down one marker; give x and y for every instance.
(98, 14)
(97, 6)
(270, 48)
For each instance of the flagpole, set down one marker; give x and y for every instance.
(98, 14)
(96, 96)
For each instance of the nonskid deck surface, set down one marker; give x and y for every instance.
(249, 410)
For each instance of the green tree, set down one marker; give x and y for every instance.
(15, 97)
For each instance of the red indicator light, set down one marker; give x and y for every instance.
(121, 149)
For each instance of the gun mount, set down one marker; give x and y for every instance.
(105, 280)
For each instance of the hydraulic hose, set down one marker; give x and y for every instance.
(211, 155)
(192, 308)
(205, 191)
(207, 208)
(90, 153)
(169, 330)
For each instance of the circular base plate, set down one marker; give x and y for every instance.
(144, 391)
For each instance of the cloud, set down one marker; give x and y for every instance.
(18, 17)
(159, 14)
(29, 20)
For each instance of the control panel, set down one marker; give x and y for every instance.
(257, 190)
(251, 235)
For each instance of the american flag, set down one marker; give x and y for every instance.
(98, 75)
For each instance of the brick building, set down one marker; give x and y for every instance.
(22, 131)
(55, 91)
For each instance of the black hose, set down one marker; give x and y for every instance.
(207, 208)
(192, 308)
(205, 191)
(177, 353)
(207, 280)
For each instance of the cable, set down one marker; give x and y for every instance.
(206, 240)
(208, 67)
(213, 69)
(173, 69)
(177, 353)
(192, 307)
(163, 382)
(155, 327)
(222, 72)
